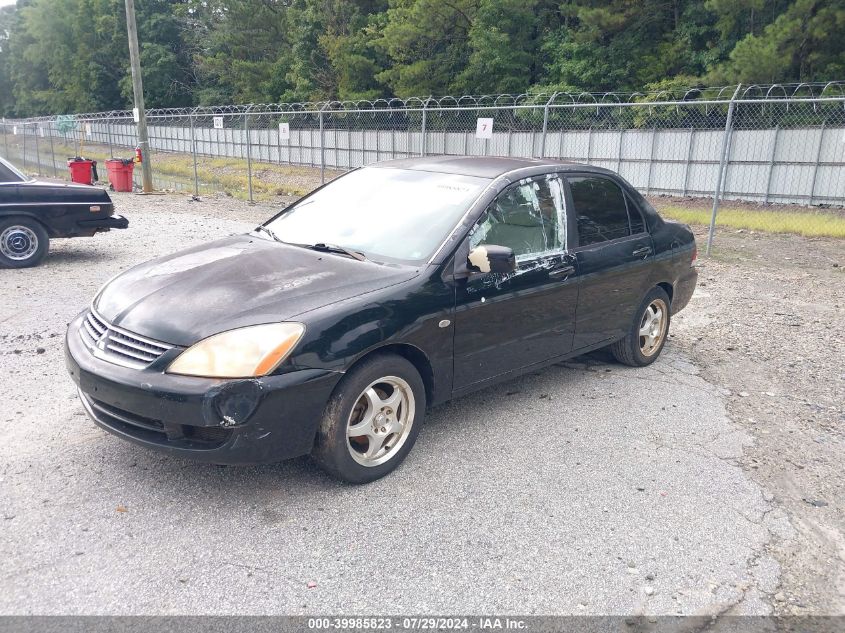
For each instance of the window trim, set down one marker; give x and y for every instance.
(573, 228)
(629, 203)
(562, 222)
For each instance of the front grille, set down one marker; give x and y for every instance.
(211, 434)
(117, 345)
(103, 410)
(155, 431)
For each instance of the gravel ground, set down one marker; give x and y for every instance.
(767, 326)
(695, 486)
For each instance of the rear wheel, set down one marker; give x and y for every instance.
(644, 342)
(23, 242)
(372, 420)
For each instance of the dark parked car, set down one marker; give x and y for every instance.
(32, 212)
(333, 326)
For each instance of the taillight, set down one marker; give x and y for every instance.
(694, 253)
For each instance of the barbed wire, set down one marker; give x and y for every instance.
(706, 96)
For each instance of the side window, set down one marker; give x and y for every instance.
(600, 209)
(7, 175)
(528, 217)
(637, 223)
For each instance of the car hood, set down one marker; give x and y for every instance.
(234, 282)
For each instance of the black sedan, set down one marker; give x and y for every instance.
(331, 328)
(32, 212)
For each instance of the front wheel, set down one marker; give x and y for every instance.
(372, 420)
(647, 336)
(23, 242)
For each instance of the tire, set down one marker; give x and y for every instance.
(653, 316)
(384, 398)
(23, 242)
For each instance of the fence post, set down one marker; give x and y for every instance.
(816, 168)
(279, 143)
(772, 164)
(23, 150)
(248, 152)
(108, 131)
(722, 159)
(323, 147)
(423, 144)
(650, 160)
(53, 150)
(194, 153)
(545, 126)
(619, 156)
(689, 159)
(5, 140)
(37, 129)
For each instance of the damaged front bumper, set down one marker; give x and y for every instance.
(246, 421)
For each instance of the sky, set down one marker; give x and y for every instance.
(3, 3)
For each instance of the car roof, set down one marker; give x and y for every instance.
(482, 166)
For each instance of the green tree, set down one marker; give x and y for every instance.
(804, 43)
(426, 43)
(71, 55)
(503, 43)
(8, 18)
(239, 49)
(626, 44)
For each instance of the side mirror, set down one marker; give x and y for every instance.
(491, 259)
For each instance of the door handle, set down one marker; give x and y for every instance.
(563, 271)
(645, 250)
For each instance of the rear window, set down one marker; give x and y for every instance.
(9, 173)
(600, 209)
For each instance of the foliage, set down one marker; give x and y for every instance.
(71, 55)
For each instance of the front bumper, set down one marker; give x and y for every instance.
(247, 421)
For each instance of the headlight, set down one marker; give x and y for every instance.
(243, 353)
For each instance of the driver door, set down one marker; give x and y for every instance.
(506, 322)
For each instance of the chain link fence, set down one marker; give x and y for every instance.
(760, 144)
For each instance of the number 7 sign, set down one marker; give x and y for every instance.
(484, 128)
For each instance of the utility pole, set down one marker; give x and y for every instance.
(138, 90)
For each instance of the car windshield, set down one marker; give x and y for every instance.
(9, 174)
(394, 215)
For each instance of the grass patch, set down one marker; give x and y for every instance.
(807, 223)
(223, 174)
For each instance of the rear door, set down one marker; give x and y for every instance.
(614, 255)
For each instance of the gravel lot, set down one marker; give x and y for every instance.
(710, 482)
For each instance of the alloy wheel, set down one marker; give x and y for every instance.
(380, 421)
(653, 327)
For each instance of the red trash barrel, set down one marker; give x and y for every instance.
(120, 173)
(82, 170)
